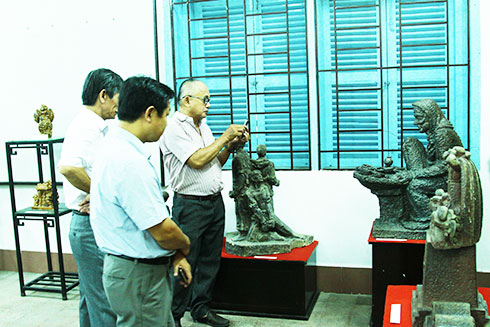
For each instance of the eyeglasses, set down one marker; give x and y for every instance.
(206, 99)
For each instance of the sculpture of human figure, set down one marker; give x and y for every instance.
(457, 214)
(266, 167)
(265, 225)
(240, 170)
(426, 169)
(44, 116)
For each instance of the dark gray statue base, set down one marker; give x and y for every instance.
(246, 248)
(424, 316)
(449, 276)
(383, 228)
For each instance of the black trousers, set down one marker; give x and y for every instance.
(203, 221)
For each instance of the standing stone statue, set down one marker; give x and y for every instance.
(259, 230)
(404, 193)
(241, 168)
(449, 291)
(44, 116)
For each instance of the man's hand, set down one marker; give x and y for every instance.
(234, 132)
(179, 261)
(85, 205)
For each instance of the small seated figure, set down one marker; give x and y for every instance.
(43, 199)
(44, 116)
(426, 169)
(443, 224)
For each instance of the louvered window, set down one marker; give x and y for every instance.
(253, 57)
(375, 58)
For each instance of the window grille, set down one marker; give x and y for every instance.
(374, 59)
(252, 54)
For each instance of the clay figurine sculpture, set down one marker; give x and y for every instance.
(404, 193)
(44, 116)
(43, 199)
(259, 230)
(449, 292)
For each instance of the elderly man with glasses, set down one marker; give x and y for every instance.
(193, 159)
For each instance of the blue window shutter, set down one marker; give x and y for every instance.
(248, 71)
(285, 103)
(350, 99)
(423, 54)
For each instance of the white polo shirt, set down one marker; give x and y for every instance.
(82, 138)
(180, 140)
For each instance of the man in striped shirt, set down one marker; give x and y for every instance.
(193, 159)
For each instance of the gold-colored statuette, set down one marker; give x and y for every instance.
(44, 116)
(43, 199)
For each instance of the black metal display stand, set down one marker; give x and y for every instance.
(283, 287)
(51, 281)
(395, 262)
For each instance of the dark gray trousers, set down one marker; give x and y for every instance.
(203, 221)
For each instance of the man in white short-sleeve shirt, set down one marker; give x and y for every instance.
(100, 98)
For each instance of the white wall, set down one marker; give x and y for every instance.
(47, 49)
(51, 48)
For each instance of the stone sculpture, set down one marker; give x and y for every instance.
(43, 199)
(404, 193)
(259, 230)
(44, 116)
(449, 291)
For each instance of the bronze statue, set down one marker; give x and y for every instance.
(44, 116)
(404, 193)
(449, 283)
(259, 230)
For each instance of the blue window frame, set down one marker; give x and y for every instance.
(374, 59)
(252, 54)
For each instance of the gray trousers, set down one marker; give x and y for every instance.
(94, 309)
(140, 294)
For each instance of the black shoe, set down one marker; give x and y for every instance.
(212, 319)
(177, 323)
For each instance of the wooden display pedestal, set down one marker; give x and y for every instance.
(394, 262)
(276, 285)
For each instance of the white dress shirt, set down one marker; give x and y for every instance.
(82, 137)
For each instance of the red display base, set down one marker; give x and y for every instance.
(374, 240)
(402, 294)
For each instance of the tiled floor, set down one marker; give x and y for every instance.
(41, 309)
